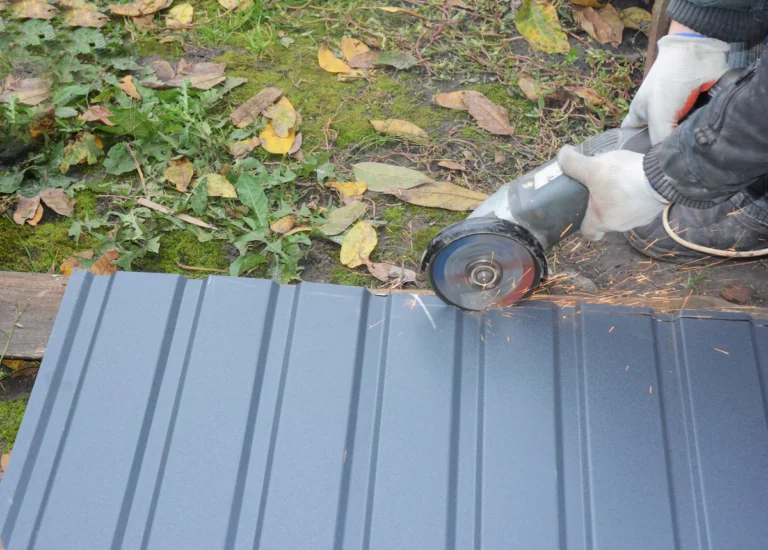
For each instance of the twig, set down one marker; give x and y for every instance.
(9, 337)
(138, 167)
(204, 269)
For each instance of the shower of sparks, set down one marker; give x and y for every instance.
(426, 311)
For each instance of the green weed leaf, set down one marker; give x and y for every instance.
(246, 263)
(252, 195)
(119, 161)
(199, 200)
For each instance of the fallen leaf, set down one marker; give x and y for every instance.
(589, 96)
(26, 209)
(440, 194)
(498, 157)
(353, 74)
(456, 4)
(86, 16)
(452, 100)
(358, 244)
(249, 111)
(241, 149)
(365, 60)
(219, 186)
(488, 115)
(596, 26)
(299, 229)
(29, 91)
(341, 218)
(97, 113)
(127, 85)
(538, 23)
(283, 117)
(452, 165)
(180, 15)
(72, 263)
(241, 5)
(351, 47)
(637, 19)
(330, 62)
(391, 9)
(275, 144)
(467, 154)
(44, 123)
(589, 3)
(202, 76)
(398, 60)
(612, 17)
(139, 7)
(4, 461)
(399, 128)
(34, 9)
(104, 265)
(283, 225)
(382, 177)
(296, 147)
(74, 3)
(529, 88)
(58, 201)
(145, 23)
(348, 189)
(387, 273)
(85, 148)
(141, 201)
(738, 294)
(179, 173)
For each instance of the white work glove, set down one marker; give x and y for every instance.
(685, 67)
(620, 196)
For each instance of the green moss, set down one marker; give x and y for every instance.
(148, 46)
(395, 218)
(349, 277)
(182, 247)
(86, 204)
(435, 215)
(421, 239)
(11, 413)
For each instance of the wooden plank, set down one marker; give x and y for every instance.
(41, 294)
(659, 28)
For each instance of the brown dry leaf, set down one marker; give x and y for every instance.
(488, 115)
(387, 273)
(145, 22)
(299, 229)
(219, 186)
(37, 217)
(283, 225)
(179, 173)
(391, 9)
(4, 461)
(589, 3)
(86, 16)
(498, 157)
(283, 117)
(26, 209)
(596, 26)
(34, 9)
(30, 91)
(296, 147)
(365, 60)
(275, 144)
(72, 263)
(529, 88)
(141, 201)
(637, 19)
(589, 96)
(240, 5)
(104, 265)
(139, 7)
(330, 62)
(97, 113)
(127, 85)
(241, 149)
(611, 16)
(202, 76)
(452, 100)
(348, 189)
(440, 194)
(58, 201)
(452, 165)
(351, 47)
(180, 15)
(358, 244)
(399, 128)
(249, 111)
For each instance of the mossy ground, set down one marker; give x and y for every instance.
(11, 413)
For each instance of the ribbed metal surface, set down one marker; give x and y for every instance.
(234, 413)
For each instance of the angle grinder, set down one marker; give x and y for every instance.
(496, 257)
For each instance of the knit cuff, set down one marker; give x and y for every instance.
(666, 186)
(723, 24)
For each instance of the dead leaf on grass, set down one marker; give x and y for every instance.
(365, 60)
(452, 165)
(4, 461)
(637, 19)
(348, 189)
(275, 144)
(139, 7)
(358, 244)
(104, 265)
(241, 149)
(240, 5)
(29, 91)
(498, 157)
(127, 85)
(452, 100)
(34, 9)
(84, 148)
(249, 111)
(86, 16)
(392, 9)
(202, 76)
(398, 60)
(341, 218)
(26, 210)
(538, 23)
(351, 47)
(58, 201)
(296, 147)
(488, 115)
(72, 263)
(330, 62)
(145, 22)
(283, 225)
(382, 177)
(440, 194)
(219, 186)
(97, 113)
(180, 15)
(387, 273)
(399, 128)
(283, 117)
(179, 173)
(529, 88)
(595, 25)
(611, 16)
(590, 97)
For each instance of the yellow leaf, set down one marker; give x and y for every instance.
(299, 229)
(4, 461)
(351, 47)
(104, 265)
(69, 265)
(219, 186)
(129, 87)
(34, 9)
(348, 188)
(391, 9)
(275, 144)
(179, 173)
(179, 15)
(589, 3)
(529, 88)
(37, 217)
(441, 194)
(283, 117)
(358, 244)
(283, 225)
(399, 128)
(139, 7)
(14, 364)
(86, 16)
(637, 19)
(241, 5)
(452, 100)
(330, 62)
(538, 23)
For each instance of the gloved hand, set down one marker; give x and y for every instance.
(686, 66)
(620, 196)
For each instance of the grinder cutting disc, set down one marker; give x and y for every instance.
(480, 263)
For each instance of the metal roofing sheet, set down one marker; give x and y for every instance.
(235, 413)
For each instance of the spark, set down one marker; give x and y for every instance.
(610, 329)
(650, 389)
(426, 311)
(627, 369)
(722, 351)
(376, 323)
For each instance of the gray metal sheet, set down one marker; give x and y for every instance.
(235, 413)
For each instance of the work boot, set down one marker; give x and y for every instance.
(724, 227)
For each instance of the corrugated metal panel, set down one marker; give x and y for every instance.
(234, 413)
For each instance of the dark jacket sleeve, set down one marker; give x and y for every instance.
(727, 20)
(720, 149)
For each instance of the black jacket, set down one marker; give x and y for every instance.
(727, 20)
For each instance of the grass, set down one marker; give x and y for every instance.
(695, 279)
(11, 414)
